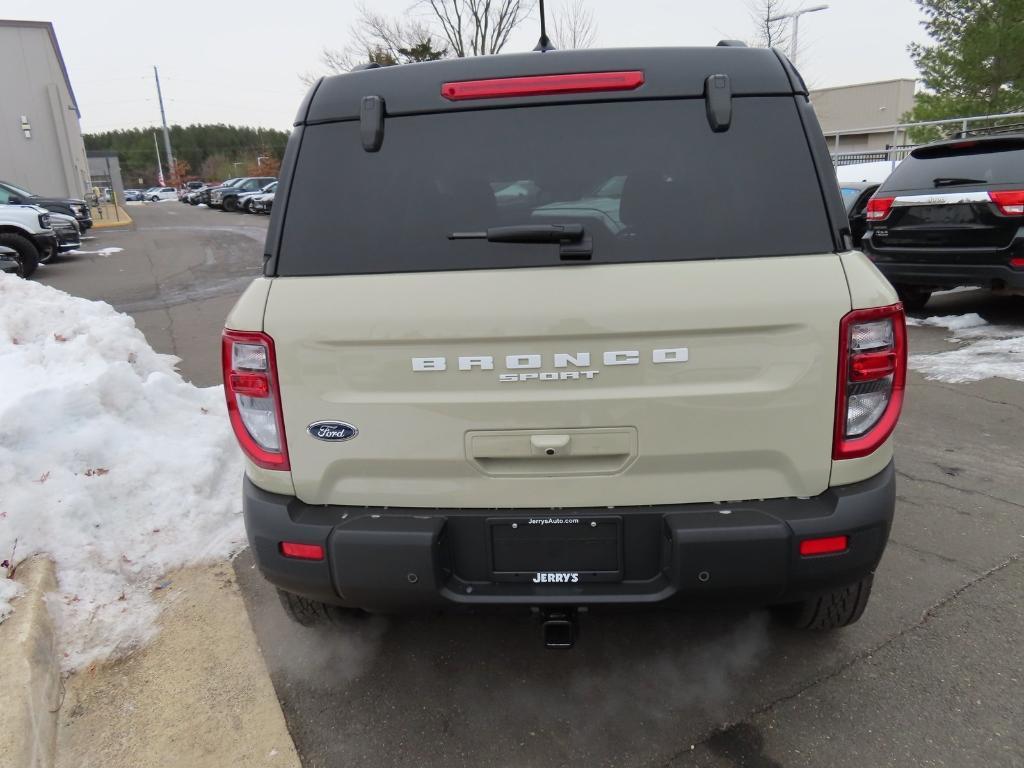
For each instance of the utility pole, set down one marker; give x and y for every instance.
(795, 16)
(163, 118)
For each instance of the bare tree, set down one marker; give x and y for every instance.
(477, 27)
(770, 31)
(574, 26)
(375, 37)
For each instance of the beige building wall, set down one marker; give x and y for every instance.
(34, 86)
(864, 106)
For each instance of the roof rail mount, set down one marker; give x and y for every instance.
(366, 65)
(371, 122)
(731, 44)
(718, 102)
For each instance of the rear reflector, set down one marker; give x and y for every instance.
(541, 85)
(1009, 203)
(879, 208)
(302, 551)
(826, 546)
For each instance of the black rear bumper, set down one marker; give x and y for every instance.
(947, 267)
(393, 559)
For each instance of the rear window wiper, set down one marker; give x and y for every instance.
(571, 237)
(949, 181)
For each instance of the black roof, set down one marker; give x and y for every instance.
(668, 73)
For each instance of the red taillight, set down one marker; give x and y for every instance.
(541, 85)
(879, 208)
(254, 403)
(871, 381)
(828, 545)
(1017, 263)
(302, 551)
(1009, 202)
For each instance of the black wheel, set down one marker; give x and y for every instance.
(311, 613)
(28, 254)
(913, 297)
(231, 204)
(831, 610)
(247, 206)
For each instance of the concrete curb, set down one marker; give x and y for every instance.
(30, 673)
(124, 220)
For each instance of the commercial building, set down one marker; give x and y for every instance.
(860, 118)
(41, 146)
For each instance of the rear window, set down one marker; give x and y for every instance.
(990, 162)
(648, 181)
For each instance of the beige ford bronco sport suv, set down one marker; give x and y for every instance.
(566, 330)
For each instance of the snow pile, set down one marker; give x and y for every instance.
(104, 252)
(987, 351)
(109, 462)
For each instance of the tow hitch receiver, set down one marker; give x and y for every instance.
(559, 627)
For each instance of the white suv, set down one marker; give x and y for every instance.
(27, 230)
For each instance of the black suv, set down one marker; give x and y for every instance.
(951, 214)
(70, 206)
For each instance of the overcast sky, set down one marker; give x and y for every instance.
(239, 61)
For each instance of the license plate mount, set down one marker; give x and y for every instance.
(556, 549)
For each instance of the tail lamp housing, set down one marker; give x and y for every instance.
(879, 208)
(871, 381)
(254, 398)
(1009, 202)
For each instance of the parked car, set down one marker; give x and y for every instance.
(69, 236)
(27, 229)
(245, 200)
(156, 194)
(188, 188)
(469, 407)
(855, 197)
(205, 194)
(133, 195)
(952, 214)
(72, 206)
(265, 202)
(227, 197)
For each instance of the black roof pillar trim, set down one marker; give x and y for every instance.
(371, 122)
(718, 100)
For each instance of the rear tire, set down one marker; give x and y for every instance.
(312, 613)
(830, 610)
(28, 254)
(231, 204)
(913, 297)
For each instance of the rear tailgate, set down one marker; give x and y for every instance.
(719, 383)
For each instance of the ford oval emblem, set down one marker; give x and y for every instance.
(332, 431)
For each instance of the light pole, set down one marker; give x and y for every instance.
(795, 16)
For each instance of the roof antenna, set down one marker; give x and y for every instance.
(544, 44)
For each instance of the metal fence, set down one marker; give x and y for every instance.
(899, 149)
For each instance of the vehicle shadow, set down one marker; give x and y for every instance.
(639, 688)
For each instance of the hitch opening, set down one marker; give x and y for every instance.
(559, 628)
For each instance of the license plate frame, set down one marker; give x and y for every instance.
(568, 549)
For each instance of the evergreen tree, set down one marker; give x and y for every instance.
(976, 64)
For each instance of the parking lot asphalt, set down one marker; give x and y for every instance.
(930, 676)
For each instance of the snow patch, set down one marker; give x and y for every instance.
(104, 252)
(109, 462)
(988, 350)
